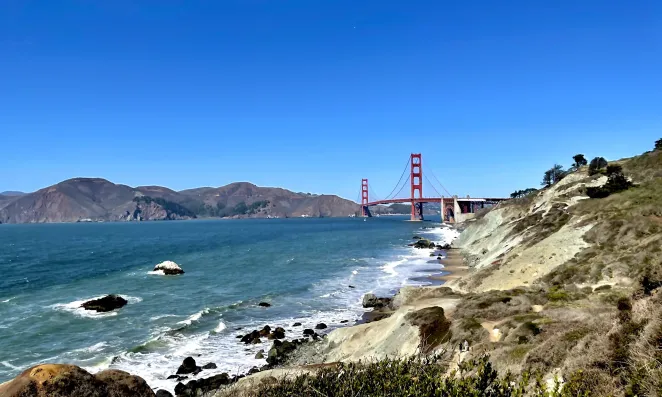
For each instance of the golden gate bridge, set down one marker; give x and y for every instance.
(453, 208)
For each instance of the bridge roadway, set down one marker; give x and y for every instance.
(447, 200)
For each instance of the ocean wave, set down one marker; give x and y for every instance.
(92, 349)
(8, 300)
(195, 317)
(9, 365)
(156, 272)
(220, 327)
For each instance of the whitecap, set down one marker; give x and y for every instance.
(194, 317)
(8, 365)
(220, 327)
(156, 272)
(7, 300)
(92, 349)
(355, 272)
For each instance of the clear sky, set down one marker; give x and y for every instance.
(313, 95)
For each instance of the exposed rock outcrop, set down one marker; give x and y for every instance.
(371, 300)
(105, 304)
(63, 380)
(169, 268)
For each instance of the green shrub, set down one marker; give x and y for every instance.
(596, 165)
(412, 377)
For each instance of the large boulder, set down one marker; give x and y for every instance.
(424, 243)
(188, 367)
(280, 351)
(163, 393)
(371, 300)
(169, 268)
(199, 387)
(105, 304)
(64, 380)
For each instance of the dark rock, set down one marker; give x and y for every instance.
(105, 304)
(256, 341)
(264, 304)
(308, 332)
(265, 331)
(239, 336)
(296, 324)
(344, 321)
(199, 387)
(351, 286)
(249, 338)
(260, 355)
(209, 366)
(253, 370)
(279, 351)
(188, 366)
(371, 300)
(173, 377)
(163, 393)
(279, 333)
(320, 326)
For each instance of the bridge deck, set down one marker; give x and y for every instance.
(432, 200)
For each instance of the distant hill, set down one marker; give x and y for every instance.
(96, 199)
(11, 193)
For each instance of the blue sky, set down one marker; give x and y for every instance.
(314, 95)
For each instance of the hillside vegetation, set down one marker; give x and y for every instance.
(562, 299)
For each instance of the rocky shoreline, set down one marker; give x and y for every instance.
(284, 354)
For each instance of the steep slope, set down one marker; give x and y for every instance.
(81, 199)
(243, 199)
(562, 236)
(95, 199)
(5, 200)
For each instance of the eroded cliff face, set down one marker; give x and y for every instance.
(525, 239)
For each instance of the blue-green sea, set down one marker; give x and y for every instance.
(303, 267)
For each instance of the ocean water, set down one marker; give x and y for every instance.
(303, 267)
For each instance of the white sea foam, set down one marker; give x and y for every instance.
(340, 303)
(7, 300)
(220, 327)
(92, 349)
(156, 272)
(194, 317)
(9, 365)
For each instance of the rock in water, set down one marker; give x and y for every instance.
(169, 268)
(308, 332)
(163, 393)
(202, 386)
(264, 304)
(105, 304)
(188, 366)
(320, 326)
(49, 380)
(209, 366)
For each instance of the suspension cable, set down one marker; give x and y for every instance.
(440, 184)
(403, 186)
(431, 185)
(390, 195)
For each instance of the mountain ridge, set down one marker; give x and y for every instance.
(96, 199)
